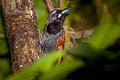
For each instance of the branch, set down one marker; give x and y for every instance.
(58, 3)
(49, 5)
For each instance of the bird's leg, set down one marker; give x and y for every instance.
(60, 58)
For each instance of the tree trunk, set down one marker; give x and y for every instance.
(21, 31)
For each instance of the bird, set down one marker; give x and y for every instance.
(53, 35)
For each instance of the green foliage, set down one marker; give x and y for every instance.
(1, 76)
(42, 13)
(47, 68)
(106, 33)
(3, 42)
(3, 47)
(43, 65)
(4, 68)
(60, 71)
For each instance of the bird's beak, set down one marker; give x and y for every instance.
(65, 10)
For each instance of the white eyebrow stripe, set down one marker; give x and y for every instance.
(54, 12)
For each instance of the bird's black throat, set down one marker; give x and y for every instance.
(54, 27)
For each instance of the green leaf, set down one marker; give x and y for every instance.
(105, 34)
(62, 70)
(41, 13)
(44, 64)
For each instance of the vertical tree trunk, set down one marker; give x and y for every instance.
(22, 33)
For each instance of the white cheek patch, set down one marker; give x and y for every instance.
(59, 15)
(53, 12)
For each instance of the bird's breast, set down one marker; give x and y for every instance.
(61, 41)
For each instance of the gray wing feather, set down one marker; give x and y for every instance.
(49, 42)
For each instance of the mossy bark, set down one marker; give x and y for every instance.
(21, 30)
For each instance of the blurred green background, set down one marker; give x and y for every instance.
(92, 43)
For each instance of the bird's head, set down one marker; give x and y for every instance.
(57, 14)
(55, 20)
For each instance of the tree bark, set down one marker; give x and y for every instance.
(21, 31)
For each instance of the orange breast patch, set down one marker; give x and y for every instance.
(60, 41)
